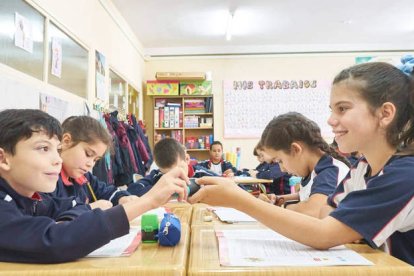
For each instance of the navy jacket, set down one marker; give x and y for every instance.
(145, 184)
(37, 238)
(280, 185)
(78, 188)
(225, 165)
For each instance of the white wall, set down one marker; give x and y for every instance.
(318, 66)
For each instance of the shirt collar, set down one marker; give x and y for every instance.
(68, 181)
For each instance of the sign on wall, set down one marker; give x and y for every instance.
(250, 105)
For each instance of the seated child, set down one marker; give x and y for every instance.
(84, 142)
(168, 154)
(217, 165)
(53, 230)
(271, 170)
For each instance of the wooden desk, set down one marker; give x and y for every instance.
(204, 260)
(183, 210)
(149, 259)
(251, 180)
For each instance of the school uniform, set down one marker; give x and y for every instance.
(324, 178)
(145, 184)
(280, 184)
(37, 238)
(78, 187)
(380, 207)
(223, 165)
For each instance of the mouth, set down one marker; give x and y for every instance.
(339, 134)
(54, 175)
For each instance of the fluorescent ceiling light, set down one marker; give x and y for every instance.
(229, 28)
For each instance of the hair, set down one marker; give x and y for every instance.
(216, 143)
(19, 124)
(86, 129)
(291, 127)
(167, 151)
(379, 82)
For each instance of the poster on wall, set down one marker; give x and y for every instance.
(23, 35)
(56, 69)
(249, 105)
(54, 106)
(101, 92)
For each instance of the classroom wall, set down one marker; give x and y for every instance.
(97, 25)
(311, 66)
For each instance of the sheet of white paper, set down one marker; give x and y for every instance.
(231, 215)
(117, 247)
(264, 247)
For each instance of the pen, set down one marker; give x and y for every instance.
(91, 191)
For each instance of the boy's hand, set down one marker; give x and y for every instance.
(173, 182)
(253, 173)
(102, 204)
(126, 199)
(228, 173)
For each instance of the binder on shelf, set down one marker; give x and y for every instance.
(157, 117)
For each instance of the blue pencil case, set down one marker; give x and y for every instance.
(170, 230)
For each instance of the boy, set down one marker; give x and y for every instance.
(216, 164)
(52, 230)
(168, 154)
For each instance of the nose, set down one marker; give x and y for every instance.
(332, 121)
(57, 160)
(90, 163)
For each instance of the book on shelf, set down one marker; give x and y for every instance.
(156, 117)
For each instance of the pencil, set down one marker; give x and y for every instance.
(91, 191)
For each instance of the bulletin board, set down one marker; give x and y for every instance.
(16, 93)
(250, 105)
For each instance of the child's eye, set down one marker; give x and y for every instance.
(59, 150)
(88, 154)
(342, 109)
(43, 148)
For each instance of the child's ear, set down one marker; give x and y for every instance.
(295, 148)
(66, 140)
(386, 114)
(4, 162)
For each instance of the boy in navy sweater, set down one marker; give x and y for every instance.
(168, 154)
(216, 163)
(47, 229)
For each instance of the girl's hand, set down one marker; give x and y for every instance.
(219, 191)
(228, 173)
(102, 204)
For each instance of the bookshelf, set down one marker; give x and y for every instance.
(188, 119)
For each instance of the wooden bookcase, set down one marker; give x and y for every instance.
(190, 120)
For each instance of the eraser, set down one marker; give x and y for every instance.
(208, 218)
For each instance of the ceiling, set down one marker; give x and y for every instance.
(198, 27)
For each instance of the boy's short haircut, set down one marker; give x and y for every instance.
(216, 143)
(167, 151)
(19, 124)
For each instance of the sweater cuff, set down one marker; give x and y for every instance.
(118, 221)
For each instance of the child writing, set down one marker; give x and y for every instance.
(372, 113)
(216, 164)
(53, 230)
(302, 151)
(84, 142)
(270, 170)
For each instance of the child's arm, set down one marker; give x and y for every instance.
(104, 191)
(310, 207)
(321, 234)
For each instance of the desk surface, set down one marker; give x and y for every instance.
(251, 180)
(148, 259)
(204, 260)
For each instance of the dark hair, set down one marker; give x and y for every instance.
(86, 129)
(19, 124)
(291, 127)
(167, 151)
(379, 82)
(216, 143)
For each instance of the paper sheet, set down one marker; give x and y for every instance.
(122, 246)
(231, 215)
(264, 247)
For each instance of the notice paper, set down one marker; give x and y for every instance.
(264, 247)
(231, 215)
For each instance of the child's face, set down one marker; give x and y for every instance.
(81, 158)
(260, 156)
(289, 163)
(354, 125)
(266, 157)
(180, 163)
(216, 152)
(35, 166)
